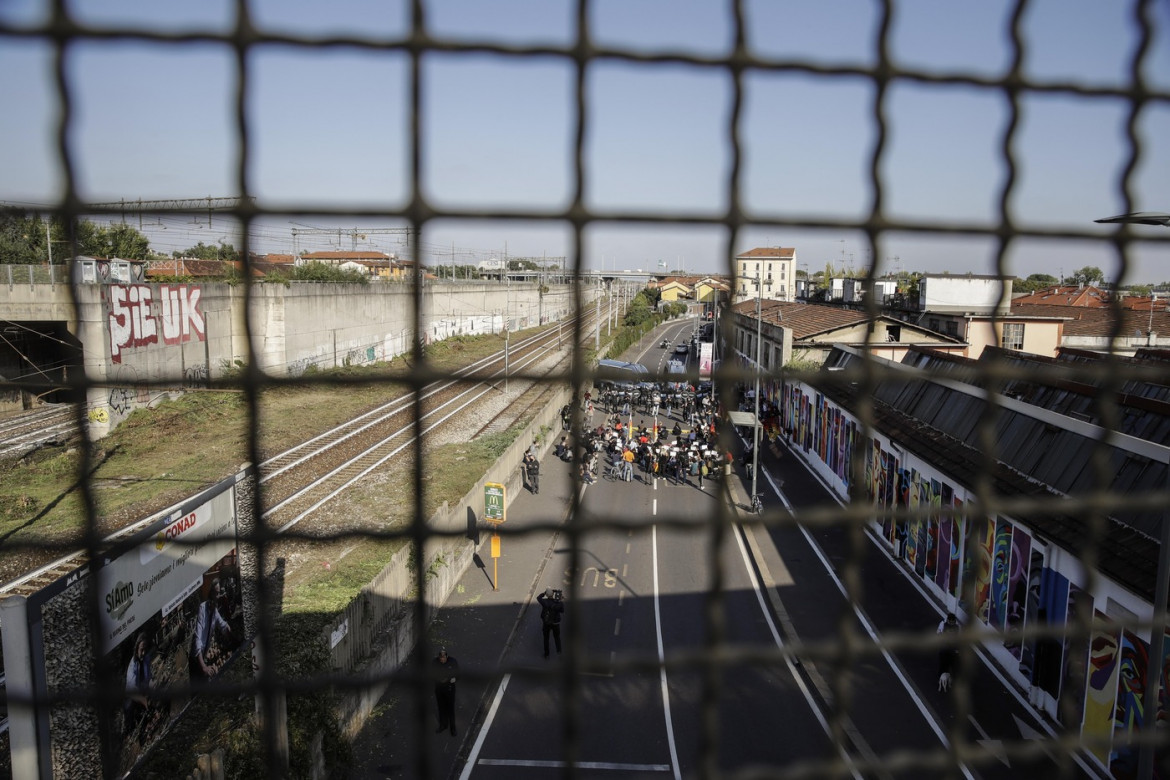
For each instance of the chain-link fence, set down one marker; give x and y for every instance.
(855, 423)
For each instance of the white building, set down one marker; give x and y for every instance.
(966, 294)
(776, 269)
(494, 264)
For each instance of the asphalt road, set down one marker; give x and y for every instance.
(642, 594)
(671, 665)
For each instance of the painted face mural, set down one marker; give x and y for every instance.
(1101, 689)
(983, 572)
(1131, 683)
(999, 572)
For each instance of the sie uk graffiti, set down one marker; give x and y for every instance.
(137, 318)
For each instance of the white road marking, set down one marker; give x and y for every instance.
(602, 765)
(796, 676)
(871, 632)
(617, 627)
(483, 731)
(662, 659)
(916, 582)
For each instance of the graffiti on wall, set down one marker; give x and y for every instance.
(137, 319)
(1100, 679)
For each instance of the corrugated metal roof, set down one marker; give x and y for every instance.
(939, 422)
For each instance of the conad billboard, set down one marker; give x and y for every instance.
(169, 615)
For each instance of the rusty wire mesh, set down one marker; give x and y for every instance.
(65, 32)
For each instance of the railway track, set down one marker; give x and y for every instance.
(389, 432)
(296, 480)
(306, 477)
(23, 433)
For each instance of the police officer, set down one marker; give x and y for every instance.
(552, 609)
(444, 672)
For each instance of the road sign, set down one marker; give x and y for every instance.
(494, 505)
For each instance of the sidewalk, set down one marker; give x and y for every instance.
(477, 625)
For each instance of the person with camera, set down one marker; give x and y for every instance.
(552, 609)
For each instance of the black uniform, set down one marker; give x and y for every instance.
(551, 611)
(444, 671)
(532, 468)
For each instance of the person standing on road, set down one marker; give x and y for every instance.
(552, 609)
(444, 672)
(532, 468)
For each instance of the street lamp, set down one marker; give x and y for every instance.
(1139, 218)
(756, 400)
(1162, 581)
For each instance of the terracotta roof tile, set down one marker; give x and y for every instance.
(768, 251)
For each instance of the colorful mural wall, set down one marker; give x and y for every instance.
(1099, 683)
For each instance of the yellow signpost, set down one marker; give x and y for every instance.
(495, 511)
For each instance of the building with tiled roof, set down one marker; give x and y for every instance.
(1066, 296)
(190, 267)
(1103, 329)
(338, 258)
(1090, 297)
(774, 266)
(806, 332)
(1050, 456)
(674, 289)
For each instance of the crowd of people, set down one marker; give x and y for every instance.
(682, 451)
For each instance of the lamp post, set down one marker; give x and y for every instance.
(756, 400)
(1162, 580)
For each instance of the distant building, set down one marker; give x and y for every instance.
(494, 264)
(340, 258)
(776, 269)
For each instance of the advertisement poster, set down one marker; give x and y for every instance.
(172, 618)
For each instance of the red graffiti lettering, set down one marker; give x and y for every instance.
(179, 526)
(134, 323)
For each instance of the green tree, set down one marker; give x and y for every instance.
(1034, 283)
(320, 272)
(1090, 274)
(203, 251)
(22, 238)
(639, 310)
(121, 240)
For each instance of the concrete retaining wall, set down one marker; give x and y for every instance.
(376, 633)
(149, 341)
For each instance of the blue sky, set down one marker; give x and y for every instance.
(332, 126)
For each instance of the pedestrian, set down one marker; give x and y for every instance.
(702, 472)
(532, 469)
(628, 464)
(948, 655)
(566, 417)
(552, 609)
(444, 672)
(586, 474)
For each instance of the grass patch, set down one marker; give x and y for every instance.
(331, 580)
